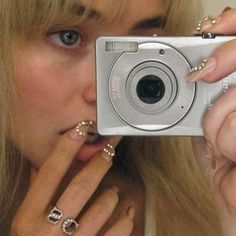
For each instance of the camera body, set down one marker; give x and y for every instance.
(142, 89)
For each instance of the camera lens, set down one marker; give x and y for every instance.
(150, 89)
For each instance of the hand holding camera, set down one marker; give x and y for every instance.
(219, 127)
(142, 88)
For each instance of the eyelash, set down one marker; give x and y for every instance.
(56, 38)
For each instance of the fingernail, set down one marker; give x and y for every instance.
(210, 154)
(226, 9)
(207, 23)
(115, 189)
(80, 129)
(108, 152)
(131, 212)
(201, 71)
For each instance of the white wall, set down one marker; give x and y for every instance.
(214, 7)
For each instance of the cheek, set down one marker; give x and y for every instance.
(42, 87)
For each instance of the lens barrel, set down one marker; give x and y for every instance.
(150, 89)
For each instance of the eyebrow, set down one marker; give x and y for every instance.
(158, 21)
(92, 14)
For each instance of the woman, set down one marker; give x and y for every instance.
(54, 172)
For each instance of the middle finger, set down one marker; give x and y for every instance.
(85, 183)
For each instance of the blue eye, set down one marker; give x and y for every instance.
(68, 39)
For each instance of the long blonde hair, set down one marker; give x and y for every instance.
(177, 199)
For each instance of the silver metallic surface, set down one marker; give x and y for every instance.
(180, 112)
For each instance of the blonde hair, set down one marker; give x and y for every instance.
(177, 200)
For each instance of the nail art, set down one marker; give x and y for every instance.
(201, 71)
(206, 23)
(81, 129)
(109, 151)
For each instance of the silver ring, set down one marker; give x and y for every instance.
(54, 216)
(69, 226)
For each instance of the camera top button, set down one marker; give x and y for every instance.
(209, 35)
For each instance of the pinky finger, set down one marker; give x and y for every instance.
(124, 226)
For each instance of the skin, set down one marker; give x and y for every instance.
(56, 89)
(219, 128)
(55, 106)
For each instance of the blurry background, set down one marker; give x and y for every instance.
(214, 7)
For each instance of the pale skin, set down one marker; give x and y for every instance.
(219, 128)
(43, 74)
(56, 85)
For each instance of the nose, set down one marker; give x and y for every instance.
(89, 92)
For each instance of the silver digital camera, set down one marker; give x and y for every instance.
(142, 89)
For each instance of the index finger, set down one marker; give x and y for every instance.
(223, 59)
(53, 170)
(225, 63)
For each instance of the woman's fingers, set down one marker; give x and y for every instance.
(124, 226)
(224, 24)
(52, 172)
(220, 125)
(224, 55)
(224, 61)
(85, 183)
(226, 138)
(98, 214)
(221, 63)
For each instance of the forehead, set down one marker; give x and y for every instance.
(131, 9)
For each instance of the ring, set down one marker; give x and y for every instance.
(109, 150)
(54, 216)
(69, 226)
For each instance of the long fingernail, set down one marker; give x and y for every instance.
(131, 212)
(81, 129)
(226, 9)
(207, 23)
(210, 154)
(201, 71)
(109, 152)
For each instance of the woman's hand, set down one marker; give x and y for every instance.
(217, 152)
(31, 218)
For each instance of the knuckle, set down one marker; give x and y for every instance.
(81, 185)
(232, 89)
(230, 122)
(226, 136)
(227, 189)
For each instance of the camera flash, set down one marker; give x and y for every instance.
(121, 46)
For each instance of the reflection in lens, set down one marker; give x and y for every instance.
(150, 89)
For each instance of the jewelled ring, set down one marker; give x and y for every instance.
(54, 216)
(212, 19)
(69, 226)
